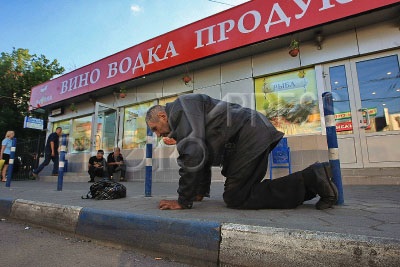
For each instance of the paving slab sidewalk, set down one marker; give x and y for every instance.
(371, 214)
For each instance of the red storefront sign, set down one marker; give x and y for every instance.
(344, 126)
(249, 23)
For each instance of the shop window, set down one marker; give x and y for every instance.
(81, 132)
(340, 97)
(65, 125)
(290, 101)
(135, 128)
(379, 83)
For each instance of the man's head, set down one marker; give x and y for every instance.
(117, 151)
(100, 154)
(157, 120)
(59, 131)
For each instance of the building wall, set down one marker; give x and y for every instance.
(234, 81)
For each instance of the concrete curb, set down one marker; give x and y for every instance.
(245, 245)
(193, 241)
(60, 217)
(206, 243)
(196, 242)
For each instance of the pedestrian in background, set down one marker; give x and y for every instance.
(50, 153)
(6, 145)
(97, 166)
(115, 163)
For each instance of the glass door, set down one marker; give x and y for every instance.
(366, 94)
(377, 80)
(105, 130)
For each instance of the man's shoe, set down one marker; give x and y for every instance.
(35, 175)
(54, 174)
(317, 178)
(198, 198)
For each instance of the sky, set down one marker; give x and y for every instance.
(80, 32)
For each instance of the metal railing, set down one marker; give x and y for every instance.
(27, 156)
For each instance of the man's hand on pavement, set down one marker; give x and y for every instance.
(169, 205)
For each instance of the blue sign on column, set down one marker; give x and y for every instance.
(333, 147)
(11, 162)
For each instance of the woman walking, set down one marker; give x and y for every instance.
(6, 145)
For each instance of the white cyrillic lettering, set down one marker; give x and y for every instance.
(170, 49)
(127, 59)
(112, 70)
(326, 4)
(83, 79)
(222, 29)
(72, 83)
(64, 87)
(210, 36)
(153, 55)
(97, 72)
(257, 21)
(139, 63)
(283, 18)
(303, 6)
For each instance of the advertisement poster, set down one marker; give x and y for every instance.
(81, 131)
(290, 101)
(135, 128)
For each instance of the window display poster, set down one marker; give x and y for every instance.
(65, 125)
(290, 101)
(81, 132)
(135, 128)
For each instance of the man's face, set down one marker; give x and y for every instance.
(59, 131)
(99, 155)
(160, 126)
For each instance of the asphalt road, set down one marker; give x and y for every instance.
(23, 245)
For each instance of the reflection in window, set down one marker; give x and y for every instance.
(379, 83)
(81, 131)
(135, 128)
(340, 95)
(290, 101)
(105, 133)
(65, 125)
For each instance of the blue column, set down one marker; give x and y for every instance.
(149, 163)
(332, 141)
(61, 164)
(11, 162)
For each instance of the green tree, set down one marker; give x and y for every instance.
(19, 72)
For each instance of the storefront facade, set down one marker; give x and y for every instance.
(347, 47)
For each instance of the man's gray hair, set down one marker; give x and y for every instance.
(151, 114)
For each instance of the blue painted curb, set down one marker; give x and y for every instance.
(195, 240)
(5, 206)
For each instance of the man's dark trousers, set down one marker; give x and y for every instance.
(246, 189)
(99, 172)
(47, 158)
